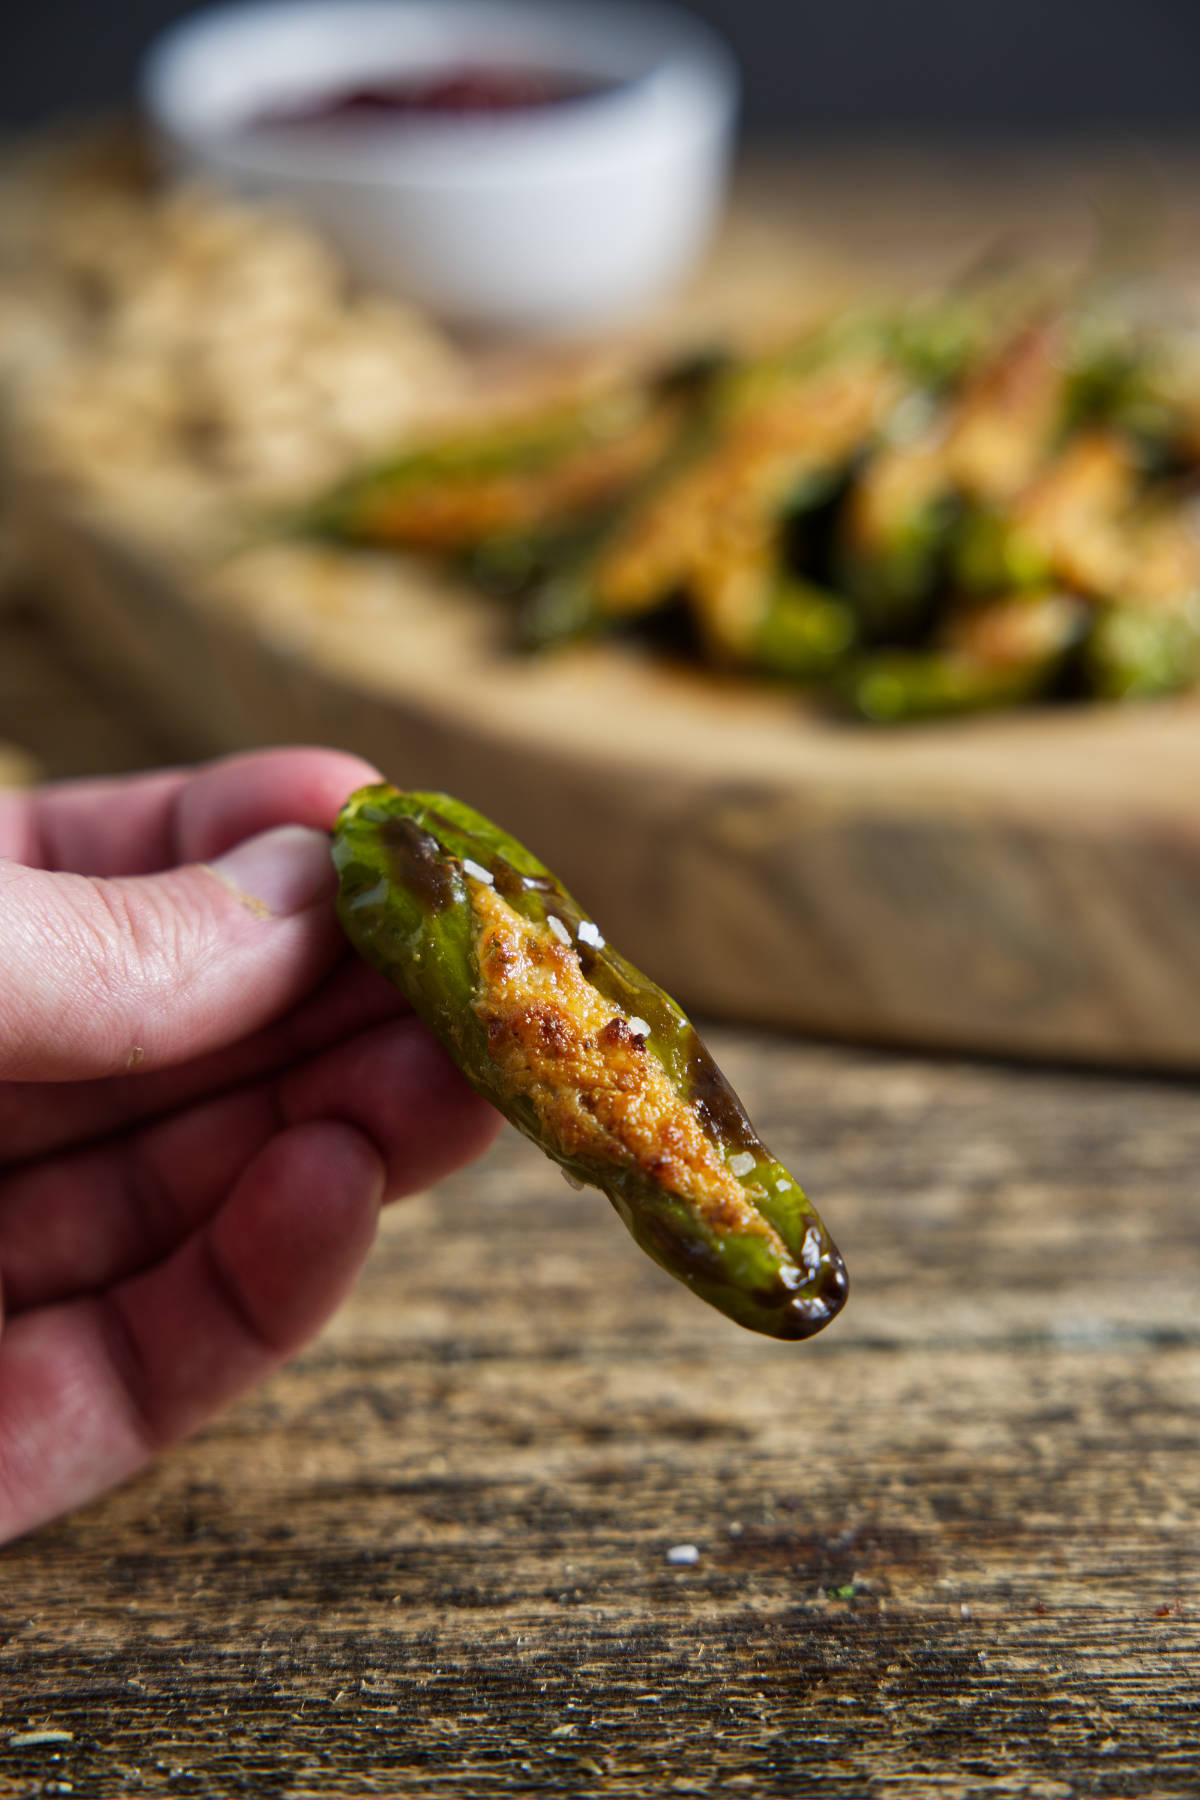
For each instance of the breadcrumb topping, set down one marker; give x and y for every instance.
(597, 1088)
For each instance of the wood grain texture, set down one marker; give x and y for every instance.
(946, 1549)
(58, 722)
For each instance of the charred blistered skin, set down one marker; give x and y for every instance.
(592, 1061)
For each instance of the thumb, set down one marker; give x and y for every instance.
(98, 976)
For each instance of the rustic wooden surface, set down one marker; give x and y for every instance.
(1024, 885)
(947, 1549)
(53, 718)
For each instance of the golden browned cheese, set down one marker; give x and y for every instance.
(715, 527)
(1073, 513)
(652, 553)
(1007, 418)
(1081, 514)
(598, 1091)
(1163, 568)
(1016, 630)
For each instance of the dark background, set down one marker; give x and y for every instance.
(996, 66)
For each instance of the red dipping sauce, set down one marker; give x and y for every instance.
(468, 89)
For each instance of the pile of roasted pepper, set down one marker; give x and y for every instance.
(957, 504)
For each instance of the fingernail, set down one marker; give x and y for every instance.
(279, 872)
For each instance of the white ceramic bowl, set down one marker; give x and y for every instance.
(549, 218)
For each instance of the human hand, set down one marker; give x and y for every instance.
(204, 1100)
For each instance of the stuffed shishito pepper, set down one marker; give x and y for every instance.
(582, 1053)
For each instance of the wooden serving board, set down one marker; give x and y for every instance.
(1026, 885)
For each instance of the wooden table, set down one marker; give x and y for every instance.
(947, 1549)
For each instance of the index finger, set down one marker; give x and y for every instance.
(140, 824)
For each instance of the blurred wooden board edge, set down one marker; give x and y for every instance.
(1027, 885)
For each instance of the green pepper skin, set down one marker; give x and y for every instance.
(1016, 647)
(405, 904)
(1134, 652)
(893, 581)
(562, 608)
(894, 687)
(993, 556)
(806, 633)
